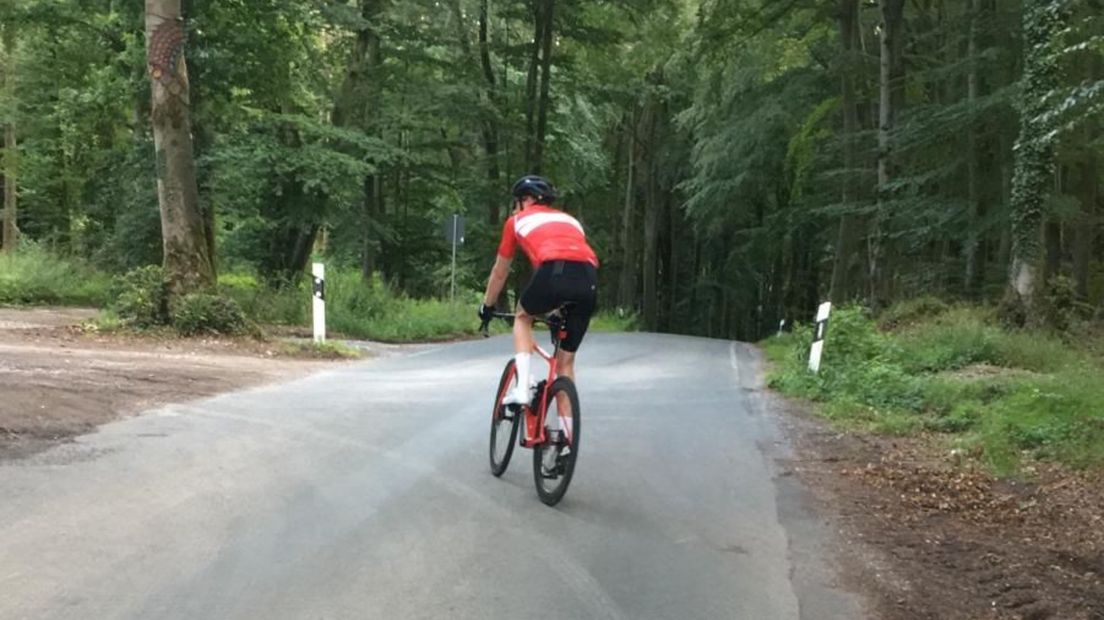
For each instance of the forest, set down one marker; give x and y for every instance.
(735, 162)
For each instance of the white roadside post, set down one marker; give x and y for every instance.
(818, 338)
(318, 270)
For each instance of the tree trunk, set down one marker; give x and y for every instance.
(188, 265)
(650, 120)
(531, 84)
(650, 262)
(545, 85)
(673, 253)
(490, 125)
(972, 280)
(626, 289)
(9, 162)
(1052, 237)
(9, 180)
(1034, 157)
(357, 106)
(1052, 230)
(1085, 231)
(890, 86)
(847, 237)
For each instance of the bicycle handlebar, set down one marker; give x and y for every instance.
(552, 321)
(495, 315)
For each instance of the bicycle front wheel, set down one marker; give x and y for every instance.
(554, 460)
(504, 422)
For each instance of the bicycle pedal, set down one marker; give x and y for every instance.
(555, 472)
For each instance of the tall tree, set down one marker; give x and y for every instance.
(490, 99)
(188, 266)
(358, 106)
(848, 235)
(538, 84)
(9, 163)
(973, 241)
(891, 97)
(1034, 154)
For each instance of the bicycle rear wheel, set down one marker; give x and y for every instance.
(554, 460)
(504, 423)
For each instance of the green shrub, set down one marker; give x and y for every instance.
(203, 313)
(954, 341)
(141, 297)
(275, 306)
(1060, 306)
(34, 276)
(615, 321)
(911, 311)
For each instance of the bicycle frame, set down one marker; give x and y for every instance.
(542, 408)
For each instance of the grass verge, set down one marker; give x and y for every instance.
(33, 276)
(1001, 396)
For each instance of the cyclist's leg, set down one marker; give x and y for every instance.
(565, 364)
(523, 330)
(523, 344)
(534, 300)
(583, 291)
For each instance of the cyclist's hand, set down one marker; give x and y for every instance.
(486, 313)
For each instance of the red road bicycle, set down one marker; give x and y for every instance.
(551, 419)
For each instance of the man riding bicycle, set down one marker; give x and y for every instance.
(565, 270)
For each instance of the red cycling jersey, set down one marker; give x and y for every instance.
(545, 234)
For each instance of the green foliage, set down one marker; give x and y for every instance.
(723, 120)
(203, 313)
(288, 305)
(858, 361)
(614, 321)
(908, 312)
(1001, 394)
(34, 276)
(354, 308)
(1061, 308)
(141, 297)
(373, 311)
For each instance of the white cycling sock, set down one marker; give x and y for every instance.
(521, 360)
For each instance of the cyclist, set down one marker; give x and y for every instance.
(565, 269)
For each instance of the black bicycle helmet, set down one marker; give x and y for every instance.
(537, 187)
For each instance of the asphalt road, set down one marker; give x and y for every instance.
(364, 492)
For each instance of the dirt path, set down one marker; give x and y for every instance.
(57, 381)
(931, 536)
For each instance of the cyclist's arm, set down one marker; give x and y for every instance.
(497, 280)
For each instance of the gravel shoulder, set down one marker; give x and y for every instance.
(58, 380)
(928, 534)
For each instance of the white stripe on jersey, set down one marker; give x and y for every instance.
(525, 225)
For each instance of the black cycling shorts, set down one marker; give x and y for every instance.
(559, 281)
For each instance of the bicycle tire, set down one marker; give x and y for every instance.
(504, 424)
(552, 471)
